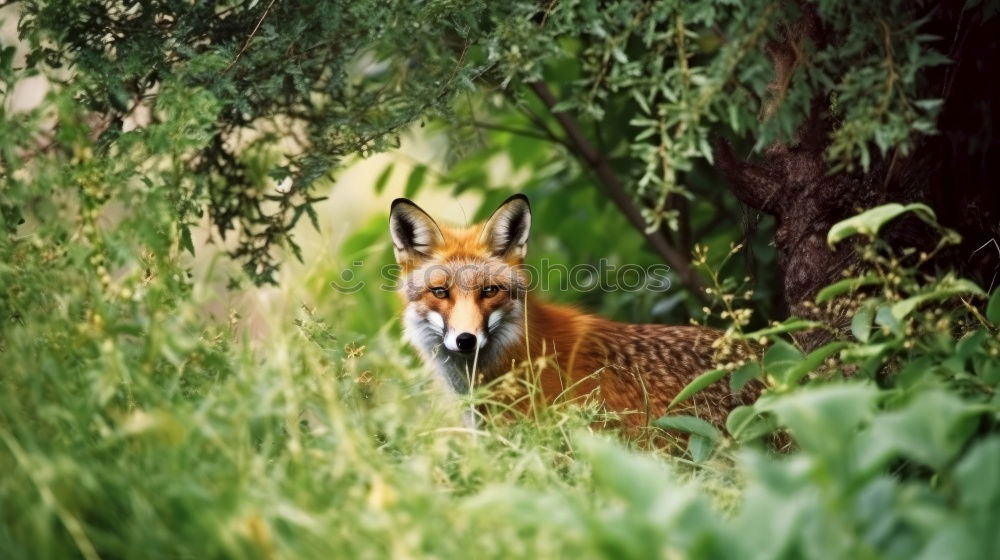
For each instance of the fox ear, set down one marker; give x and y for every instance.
(414, 233)
(506, 232)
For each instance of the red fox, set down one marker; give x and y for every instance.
(469, 314)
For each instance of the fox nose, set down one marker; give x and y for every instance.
(466, 342)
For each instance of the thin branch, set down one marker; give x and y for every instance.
(684, 240)
(539, 122)
(548, 10)
(601, 168)
(519, 131)
(250, 38)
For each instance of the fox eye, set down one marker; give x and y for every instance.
(489, 291)
(440, 292)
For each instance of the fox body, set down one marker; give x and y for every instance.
(470, 315)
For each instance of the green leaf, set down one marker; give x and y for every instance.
(914, 372)
(945, 289)
(993, 308)
(969, 344)
(812, 361)
(988, 368)
(931, 429)
(789, 325)
(871, 221)
(697, 384)
(978, 475)
(929, 104)
(641, 101)
(745, 423)
(689, 425)
(846, 285)
(869, 351)
(885, 317)
(823, 420)
(186, 241)
(861, 323)
(415, 181)
(743, 375)
(738, 419)
(781, 358)
(383, 178)
(700, 448)
(313, 217)
(643, 478)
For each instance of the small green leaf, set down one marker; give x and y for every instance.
(313, 217)
(864, 352)
(186, 241)
(885, 317)
(700, 448)
(641, 101)
(697, 384)
(987, 368)
(978, 474)
(993, 308)
(813, 361)
(945, 289)
(929, 104)
(781, 358)
(970, 343)
(914, 372)
(738, 418)
(847, 285)
(415, 181)
(689, 425)
(745, 423)
(861, 323)
(789, 325)
(383, 178)
(743, 375)
(871, 221)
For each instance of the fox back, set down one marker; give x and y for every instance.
(470, 315)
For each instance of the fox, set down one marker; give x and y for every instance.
(472, 318)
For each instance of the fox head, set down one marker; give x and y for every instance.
(464, 288)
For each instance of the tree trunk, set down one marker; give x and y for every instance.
(956, 172)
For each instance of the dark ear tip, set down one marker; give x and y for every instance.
(399, 201)
(518, 196)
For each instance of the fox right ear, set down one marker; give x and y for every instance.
(414, 233)
(506, 231)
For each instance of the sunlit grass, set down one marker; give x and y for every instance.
(185, 439)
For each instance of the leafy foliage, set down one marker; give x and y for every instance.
(276, 94)
(889, 420)
(270, 97)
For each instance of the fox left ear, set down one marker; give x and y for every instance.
(506, 232)
(415, 235)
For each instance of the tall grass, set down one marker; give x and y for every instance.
(134, 423)
(133, 427)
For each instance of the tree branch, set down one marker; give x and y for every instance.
(250, 38)
(601, 168)
(548, 137)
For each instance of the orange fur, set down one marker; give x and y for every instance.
(567, 354)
